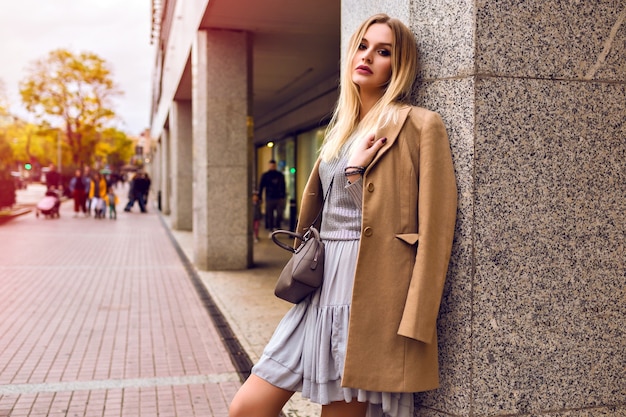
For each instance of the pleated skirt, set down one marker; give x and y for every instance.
(307, 350)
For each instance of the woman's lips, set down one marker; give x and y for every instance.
(362, 69)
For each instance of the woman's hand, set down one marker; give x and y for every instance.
(365, 151)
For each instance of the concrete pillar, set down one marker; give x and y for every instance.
(165, 172)
(222, 157)
(181, 147)
(154, 172)
(532, 93)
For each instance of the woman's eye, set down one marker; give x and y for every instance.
(362, 46)
(384, 52)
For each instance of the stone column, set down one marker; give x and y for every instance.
(155, 172)
(533, 95)
(181, 144)
(222, 148)
(165, 172)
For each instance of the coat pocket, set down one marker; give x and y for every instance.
(410, 238)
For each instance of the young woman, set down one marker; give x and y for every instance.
(366, 340)
(77, 188)
(97, 195)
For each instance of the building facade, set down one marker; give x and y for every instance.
(533, 95)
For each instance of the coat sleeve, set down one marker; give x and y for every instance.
(437, 201)
(312, 200)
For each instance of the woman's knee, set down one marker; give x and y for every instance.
(258, 398)
(237, 407)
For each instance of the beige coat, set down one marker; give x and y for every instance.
(409, 212)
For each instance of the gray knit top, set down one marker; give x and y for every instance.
(341, 216)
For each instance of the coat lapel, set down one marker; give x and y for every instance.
(391, 131)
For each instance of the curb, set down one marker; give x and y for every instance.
(8, 215)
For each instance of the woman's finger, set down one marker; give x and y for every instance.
(371, 139)
(377, 144)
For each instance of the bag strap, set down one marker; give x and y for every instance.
(301, 237)
(323, 202)
(290, 234)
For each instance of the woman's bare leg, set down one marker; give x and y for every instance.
(344, 409)
(258, 398)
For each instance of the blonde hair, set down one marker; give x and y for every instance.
(345, 120)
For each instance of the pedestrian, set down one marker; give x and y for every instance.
(112, 200)
(77, 189)
(146, 188)
(136, 193)
(389, 169)
(53, 178)
(273, 182)
(256, 215)
(97, 195)
(87, 182)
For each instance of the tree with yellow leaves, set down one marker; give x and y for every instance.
(73, 92)
(6, 152)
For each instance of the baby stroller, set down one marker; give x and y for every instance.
(49, 205)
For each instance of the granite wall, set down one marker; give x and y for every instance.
(534, 97)
(221, 76)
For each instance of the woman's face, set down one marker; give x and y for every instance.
(371, 65)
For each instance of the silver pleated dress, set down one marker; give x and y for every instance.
(307, 350)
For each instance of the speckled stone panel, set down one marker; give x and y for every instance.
(221, 189)
(532, 315)
(166, 167)
(353, 13)
(181, 156)
(550, 238)
(453, 100)
(444, 30)
(533, 97)
(592, 412)
(552, 39)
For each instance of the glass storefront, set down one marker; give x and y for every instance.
(295, 157)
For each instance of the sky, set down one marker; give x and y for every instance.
(118, 31)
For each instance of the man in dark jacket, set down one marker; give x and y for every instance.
(136, 192)
(273, 182)
(53, 178)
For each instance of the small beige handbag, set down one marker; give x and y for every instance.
(304, 273)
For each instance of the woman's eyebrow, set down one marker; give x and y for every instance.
(378, 44)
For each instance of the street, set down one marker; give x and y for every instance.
(98, 317)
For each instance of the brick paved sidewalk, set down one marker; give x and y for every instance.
(100, 318)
